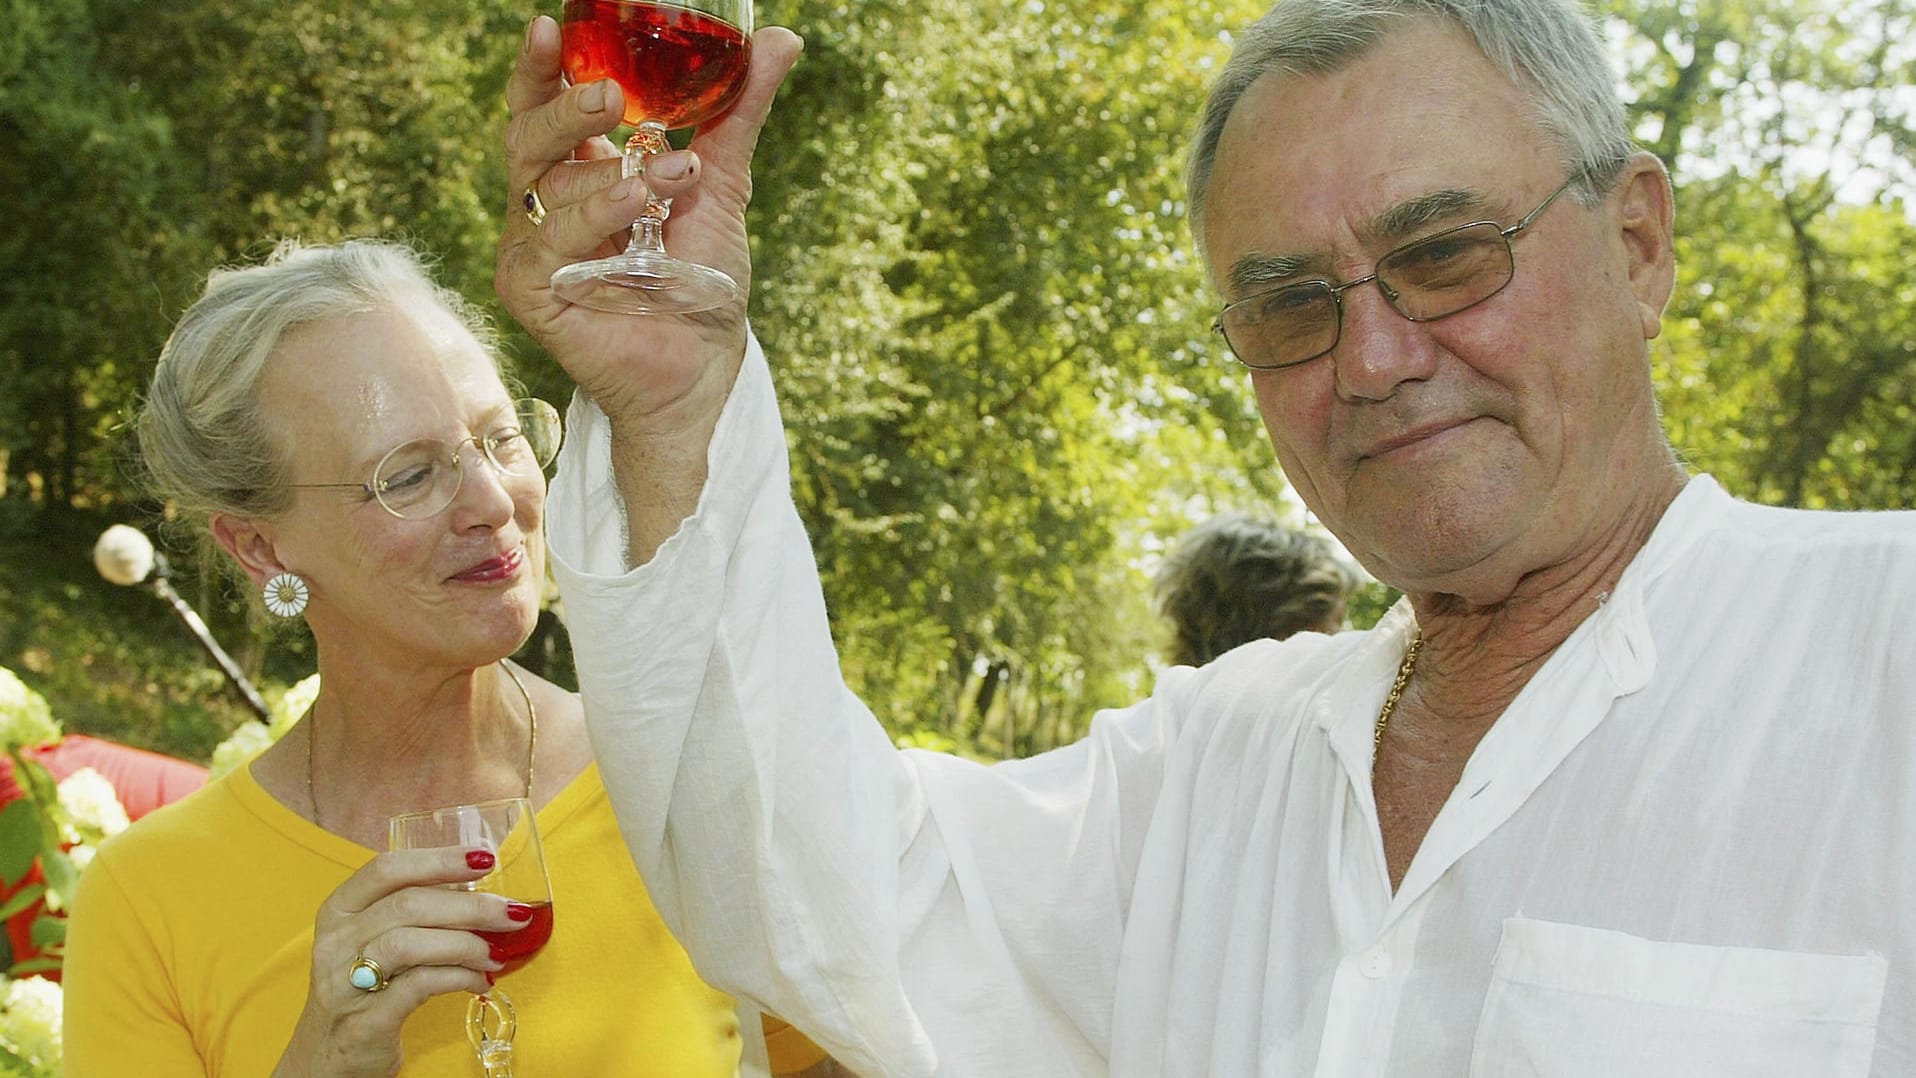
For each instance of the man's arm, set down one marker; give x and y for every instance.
(914, 914)
(894, 906)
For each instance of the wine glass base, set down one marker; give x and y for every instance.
(644, 284)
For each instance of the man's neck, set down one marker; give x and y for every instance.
(1477, 657)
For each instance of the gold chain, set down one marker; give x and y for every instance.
(532, 740)
(1396, 690)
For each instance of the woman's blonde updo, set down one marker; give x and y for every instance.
(204, 447)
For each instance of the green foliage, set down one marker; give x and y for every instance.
(74, 309)
(975, 282)
(113, 661)
(42, 832)
(1789, 358)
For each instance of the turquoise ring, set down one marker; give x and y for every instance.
(366, 975)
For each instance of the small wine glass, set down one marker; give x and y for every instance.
(679, 65)
(510, 830)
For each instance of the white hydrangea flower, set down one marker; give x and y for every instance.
(30, 1021)
(244, 743)
(25, 718)
(93, 809)
(81, 855)
(293, 703)
(252, 738)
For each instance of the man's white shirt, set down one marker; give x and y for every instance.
(1687, 848)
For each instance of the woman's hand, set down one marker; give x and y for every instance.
(652, 370)
(396, 912)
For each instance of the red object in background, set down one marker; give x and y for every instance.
(143, 780)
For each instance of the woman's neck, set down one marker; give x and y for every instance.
(379, 742)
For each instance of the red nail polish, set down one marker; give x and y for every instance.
(498, 953)
(489, 979)
(518, 911)
(479, 859)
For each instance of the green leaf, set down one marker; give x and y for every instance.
(49, 932)
(62, 877)
(40, 964)
(21, 899)
(20, 832)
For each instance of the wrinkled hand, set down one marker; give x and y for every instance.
(396, 911)
(644, 368)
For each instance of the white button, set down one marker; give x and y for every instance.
(1375, 964)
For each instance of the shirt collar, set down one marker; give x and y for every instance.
(1620, 628)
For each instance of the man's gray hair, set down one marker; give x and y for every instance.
(1548, 47)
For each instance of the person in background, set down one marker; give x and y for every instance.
(1234, 579)
(1625, 785)
(339, 427)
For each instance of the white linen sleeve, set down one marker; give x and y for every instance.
(915, 914)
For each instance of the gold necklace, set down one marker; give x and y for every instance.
(1396, 691)
(532, 740)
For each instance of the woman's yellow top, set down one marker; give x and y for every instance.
(191, 939)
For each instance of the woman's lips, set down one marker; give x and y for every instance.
(504, 567)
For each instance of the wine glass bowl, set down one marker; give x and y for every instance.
(677, 65)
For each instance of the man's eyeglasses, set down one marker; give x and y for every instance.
(1424, 280)
(420, 478)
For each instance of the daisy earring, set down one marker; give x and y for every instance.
(286, 595)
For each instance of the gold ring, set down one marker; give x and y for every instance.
(535, 209)
(366, 975)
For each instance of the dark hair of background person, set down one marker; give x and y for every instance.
(1235, 578)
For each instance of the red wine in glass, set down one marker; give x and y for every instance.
(510, 829)
(516, 947)
(678, 65)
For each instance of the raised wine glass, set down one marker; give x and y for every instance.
(679, 65)
(509, 829)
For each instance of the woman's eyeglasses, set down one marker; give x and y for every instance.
(420, 478)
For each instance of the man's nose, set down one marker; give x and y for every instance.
(1378, 348)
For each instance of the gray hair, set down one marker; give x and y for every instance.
(1549, 47)
(1235, 578)
(203, 444)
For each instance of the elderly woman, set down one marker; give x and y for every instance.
(340, 427)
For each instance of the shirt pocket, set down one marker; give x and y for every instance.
(1572, 1002)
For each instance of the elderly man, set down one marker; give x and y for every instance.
(1627, 786)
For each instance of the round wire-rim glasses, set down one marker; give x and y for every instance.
(420, 478)
(1424, 280)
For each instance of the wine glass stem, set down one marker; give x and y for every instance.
(648, 232)
(496, 1058)
(491, 1022)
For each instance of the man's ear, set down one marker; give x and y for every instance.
(1646, 213)
(250, 543)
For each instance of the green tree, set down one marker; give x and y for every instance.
(1790, 361)
(990, 330)
(85, 168)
